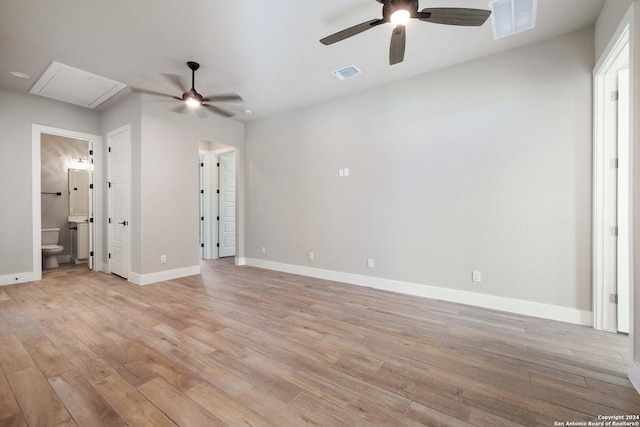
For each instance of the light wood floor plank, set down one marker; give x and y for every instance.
(176, 405)
(40, 405)
(245, 346)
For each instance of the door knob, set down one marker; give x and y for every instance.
(123, 223)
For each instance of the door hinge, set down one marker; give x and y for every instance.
(91, 253)
(201, 165)
(613, 163)
(201, 218)
(90, 186)
(218, 164)
(109, 149)
(614, 95)
(218, 218)
(91, 219)
(217, 245)
(202, 245)
(218, 191)
(201, 191)
(91, 152)
(108, 184)
(109, 255)
(613, 298)
(109, 220)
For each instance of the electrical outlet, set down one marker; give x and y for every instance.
(370, 263)
(311, 256)
(163, 259)
(476, 276)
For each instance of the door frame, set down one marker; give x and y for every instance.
(211, 208)
(604, 311)
(36, 172)
(628, 26)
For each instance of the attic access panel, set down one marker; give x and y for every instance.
(75, 86)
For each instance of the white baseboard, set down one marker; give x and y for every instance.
(12, 279)
(511, 305)
(147, 279)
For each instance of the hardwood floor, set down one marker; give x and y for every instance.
(241, 346)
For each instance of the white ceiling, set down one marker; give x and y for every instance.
(266, 51)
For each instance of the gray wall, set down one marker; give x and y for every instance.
(17, 114)
(165, 179)
(126, 112)
(481, 166)
(171, 182)
(610, 16)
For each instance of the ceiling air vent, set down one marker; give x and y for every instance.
(512, 16)
(346, 72)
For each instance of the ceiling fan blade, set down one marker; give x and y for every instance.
(182, 108)
(454, 16)
(351, 31)
(176, 81)
(151, 92)
(223, 98)
(200, 112)
(217, 110)
(398, 42)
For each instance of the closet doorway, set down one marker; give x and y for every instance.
(218, 195)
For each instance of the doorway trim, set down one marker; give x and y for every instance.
(36, 171)
(604, 309)
(211, 155)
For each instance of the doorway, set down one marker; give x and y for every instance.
(62, 162)
(612, 190)
(218, 194)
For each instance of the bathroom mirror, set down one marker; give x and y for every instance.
(79, 193)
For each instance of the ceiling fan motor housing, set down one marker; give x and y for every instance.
(391, 6)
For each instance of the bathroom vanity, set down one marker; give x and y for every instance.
(79, 214)
(79, 241)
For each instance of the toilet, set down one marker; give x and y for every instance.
(50, 247)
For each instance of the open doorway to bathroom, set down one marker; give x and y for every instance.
(54, 153)
(66, 181)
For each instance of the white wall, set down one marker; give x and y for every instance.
(18, 112)
(481, 166)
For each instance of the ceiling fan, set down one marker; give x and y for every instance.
(398, 13)
(193, 100)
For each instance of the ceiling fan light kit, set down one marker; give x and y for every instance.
(399, 12)
(191, 99)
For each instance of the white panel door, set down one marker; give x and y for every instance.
(227, 205)
(118, 209)
(623, 254)
(91, 206)
(610, 203)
